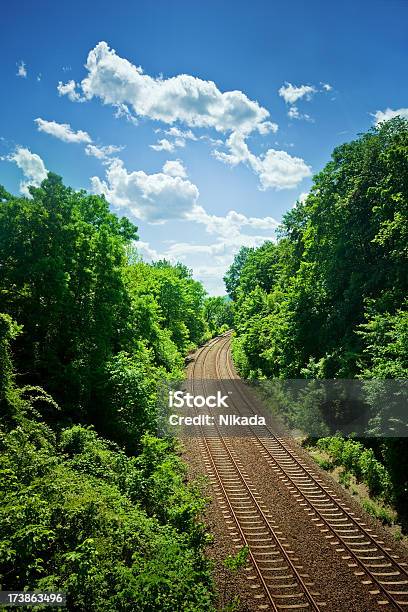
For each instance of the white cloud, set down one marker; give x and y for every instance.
(291, 93)
(102, 152)
(209, 262)
(163, 196)
(32, 166)
(182, 134)
(179, 138)
(229, 226)
(184, 98)
(174, 168)
(266, 127)
(147, 251)
(69, 89)
(327, 87)
(389, 113)
(22, 70)
(194, 103)
(293, 113)
(152, 197)
(123, 111)
(63, 131)
(275, 169)
(163, 145)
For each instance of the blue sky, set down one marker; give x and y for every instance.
(203, 122)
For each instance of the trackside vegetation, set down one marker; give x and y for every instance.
(91, 501)
(328, 299)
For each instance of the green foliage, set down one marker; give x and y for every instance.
(218, 314)
(175, 299)
(329, 299)
(236, 562)
(78, 515)
(62, 281)
(232, 276)
(8, 399)
(100, 329)
(305, 299)
(129, 396)
(385, 337)
(359, 461)
(109, 520)
(379, 512)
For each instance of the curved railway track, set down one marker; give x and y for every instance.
(276, 577)
(363, 551)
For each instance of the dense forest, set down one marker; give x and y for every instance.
(92, 503)
(328, 299)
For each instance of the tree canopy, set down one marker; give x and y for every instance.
(92, 503)
(329, 299)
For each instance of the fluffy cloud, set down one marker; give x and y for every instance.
(178, 139)
(217, 255)
(147, 251)
(152, 197)
(163, 145)
(230, 225)
(181, 134)
(32, 166)
(122, 110)
(196, 104)
(291, 93)
(275, 169)
(183, 98)
(174, 168)
(326, 86)
(389, 113)
(63, 131)
(229, 233)
(102, 152)
(293, 113)
(22, 70)
(69, 90)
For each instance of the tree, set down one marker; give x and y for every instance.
(219, 314)
(231, 278)
(62, 252)
(329, 299)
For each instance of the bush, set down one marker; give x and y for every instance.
(374, 474)
(333, 446)
(350, 456)
(71, 519)
(379, 512)
(359, 461)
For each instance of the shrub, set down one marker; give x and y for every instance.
(374, 474)
(70, 519)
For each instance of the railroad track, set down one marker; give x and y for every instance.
(363, 551)
(275, 575)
